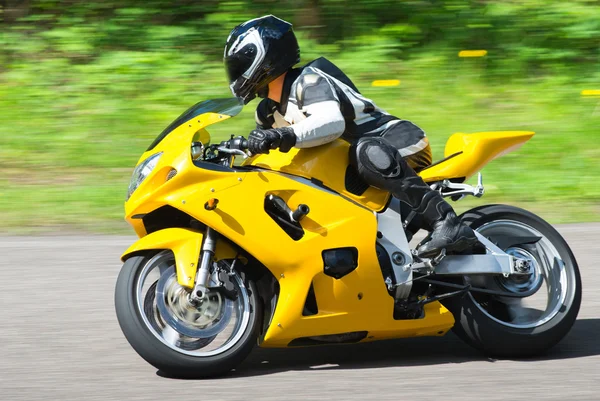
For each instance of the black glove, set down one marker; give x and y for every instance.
(263, 140)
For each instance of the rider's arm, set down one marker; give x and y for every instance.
(316, 98)
(324, 124)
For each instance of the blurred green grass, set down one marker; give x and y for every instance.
(70, 134)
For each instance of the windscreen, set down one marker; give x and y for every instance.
(227, 106)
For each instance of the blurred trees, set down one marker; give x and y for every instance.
(86, 85)
(524, 35)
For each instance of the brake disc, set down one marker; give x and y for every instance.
(206, 319)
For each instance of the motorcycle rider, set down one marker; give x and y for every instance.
(316, 104)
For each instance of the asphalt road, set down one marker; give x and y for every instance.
(59, 340)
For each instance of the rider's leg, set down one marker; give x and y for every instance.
(381, 165)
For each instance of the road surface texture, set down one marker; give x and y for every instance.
(60, 340)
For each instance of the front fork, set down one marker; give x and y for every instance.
(203, 275)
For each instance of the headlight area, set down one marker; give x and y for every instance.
(142, 171)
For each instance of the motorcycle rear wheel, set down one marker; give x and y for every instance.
(165, 347)
(506, 327)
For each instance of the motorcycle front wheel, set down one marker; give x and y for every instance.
(519, 327)
(177, 337)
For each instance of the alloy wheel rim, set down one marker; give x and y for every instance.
(547, 266)
(215, 339)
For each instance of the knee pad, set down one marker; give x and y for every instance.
(374, 155)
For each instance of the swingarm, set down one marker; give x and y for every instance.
(494, 261)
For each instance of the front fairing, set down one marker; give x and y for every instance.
(222, 108)
(175, 168)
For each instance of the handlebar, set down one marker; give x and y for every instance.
(239, 143)
(232, 147)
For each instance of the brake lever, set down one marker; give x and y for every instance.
(233, 152)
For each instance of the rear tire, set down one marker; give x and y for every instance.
(164, 358)
(490, 335)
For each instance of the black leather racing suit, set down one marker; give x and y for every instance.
(320, 104)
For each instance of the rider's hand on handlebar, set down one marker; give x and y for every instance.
(263, 140)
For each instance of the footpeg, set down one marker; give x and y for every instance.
(436, 261)
(427, 264)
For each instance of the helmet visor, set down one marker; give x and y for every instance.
(237, 64)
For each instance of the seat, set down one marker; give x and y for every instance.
(467, 154)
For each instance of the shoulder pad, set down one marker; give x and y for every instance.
(313, 88)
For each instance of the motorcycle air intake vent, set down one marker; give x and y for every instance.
(171, 174)
(339, 262)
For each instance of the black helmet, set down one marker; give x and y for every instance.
(257, 52)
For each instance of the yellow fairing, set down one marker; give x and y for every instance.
(357, 302)
(477, 150)
(185, 244)
(326, 163)
(175, 149)
(182, 136)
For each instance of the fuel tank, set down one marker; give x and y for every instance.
(325, 165)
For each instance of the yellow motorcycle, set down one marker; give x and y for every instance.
(293, 249)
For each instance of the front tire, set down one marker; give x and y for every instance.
(503, 327)
(183, 357)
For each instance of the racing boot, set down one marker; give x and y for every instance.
(381, 165)
(446, 229)
(448, 233)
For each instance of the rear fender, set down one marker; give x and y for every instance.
(186, 245)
